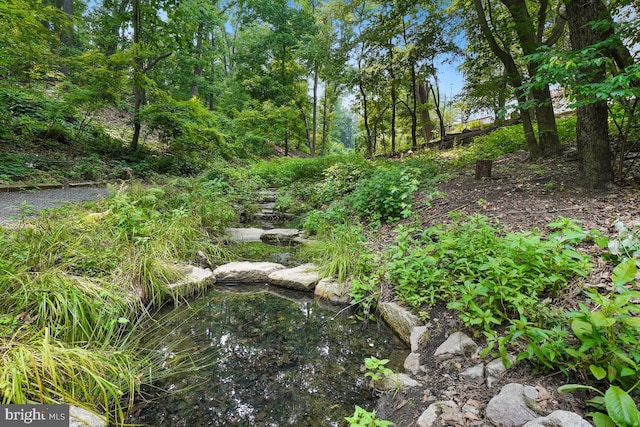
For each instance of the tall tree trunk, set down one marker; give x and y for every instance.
(592, 129)
(365, 119)
(197, 72)
(435, 91)
(423, 98)
(138, 92)
(394, 98)
(314, 114)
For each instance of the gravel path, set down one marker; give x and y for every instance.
(36, 200)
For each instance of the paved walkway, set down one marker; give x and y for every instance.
(36, 200)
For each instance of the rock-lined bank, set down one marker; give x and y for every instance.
(445, 373)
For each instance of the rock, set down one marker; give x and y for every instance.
(419, 334)
(496, 369)
(281, 236)
(126, 173)
(401, 321)
(195, 277)
(303, 278)
(458, 344)
(245, 235)
(473, 373)
(395, 381)
(559, 419)
(431, 416)
(412, 363)
(79, 417)
(512, 406)
(268, 196)
(333, 291)
(245, 271)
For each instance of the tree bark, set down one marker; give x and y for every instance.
(197, 72)
(137, 72)
(592, 129)
(394, 97)
(423, 99)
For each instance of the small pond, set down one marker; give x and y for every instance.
(268, 357)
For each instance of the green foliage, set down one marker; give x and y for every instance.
(185, 126)
(285, 171)
(607, 337)
(376, 368)
(614, 407)
(386, 195)
(340, 252)
(488, 276)
(627, 244)
(363, 418)
(506, 140)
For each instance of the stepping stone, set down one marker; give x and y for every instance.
(248, 272)
(303, 278)
(281, 236)
(245, 235)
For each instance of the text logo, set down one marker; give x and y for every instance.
(34, 415)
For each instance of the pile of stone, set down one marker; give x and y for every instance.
(516, 405)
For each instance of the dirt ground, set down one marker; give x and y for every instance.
(522, 196)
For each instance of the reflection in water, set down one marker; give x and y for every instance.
(269, 361)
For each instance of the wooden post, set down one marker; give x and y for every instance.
(483, 168)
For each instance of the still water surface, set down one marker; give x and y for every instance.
(273, 360)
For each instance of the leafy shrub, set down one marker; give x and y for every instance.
(506, 140)
(285, 171)
(487, 275)
(386, 195)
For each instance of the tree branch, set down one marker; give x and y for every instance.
(155, 61)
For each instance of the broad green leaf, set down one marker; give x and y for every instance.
(598, 371)
(570, 388)
(621, 407)
(581, 328)
(601, 420)
(632, 321)
(624, 272)
(600, 320)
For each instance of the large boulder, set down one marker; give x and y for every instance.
(248, 272)
(303, 278)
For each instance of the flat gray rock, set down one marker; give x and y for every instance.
(458, 344)
(281, 236)
(194, 276)
(512, 406)
(333, 291)
(82, 418)
(244, 271)
(303, 278)
(245, 235)
(559, 419)
(400, 320)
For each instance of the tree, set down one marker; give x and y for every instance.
(27, 45)
(592, 128)
(531, 38)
